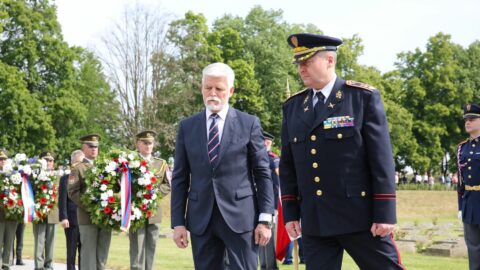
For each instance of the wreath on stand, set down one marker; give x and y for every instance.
(122, 192)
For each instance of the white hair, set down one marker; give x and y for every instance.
(75, 156)
(219, 70)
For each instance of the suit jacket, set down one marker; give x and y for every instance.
(67, 209)
(76, 188)
(337, 170)
(239, 183)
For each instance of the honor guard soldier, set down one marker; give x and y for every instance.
(337, 172)
(95, 240)
(468, 158)
(7, 227)
(143, 241)
(44, 232)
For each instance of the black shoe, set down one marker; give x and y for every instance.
(302, 261)
(287, 263)
(20, 262)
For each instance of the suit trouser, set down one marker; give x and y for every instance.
(368, 252)
(209, 248)
(268, 261)
(7, 233)
(19, 241)
(95, 245)
(472, 239)
(72, 235)
(44, 235)
(143, 243)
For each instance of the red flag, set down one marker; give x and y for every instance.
(283, 239)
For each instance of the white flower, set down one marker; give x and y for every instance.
(45, 191)
(131, 156)
(113, 173)
(16, 178)
(104, 196)
(47, 197)
(111, 167)
(143, 169)
(109, 193)
(50, 192)
(94, 170)
(135, 164)
(43, 163)
(103, 187)
(103, 203)
(20, 157)
(154, 196)
(26, 169)
(139, 194)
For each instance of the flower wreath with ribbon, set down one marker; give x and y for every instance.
(122, 192)
(21, 178)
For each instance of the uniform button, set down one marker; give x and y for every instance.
(295, 139)
(471, 153)
(317, 179)
(363, 193)
(339, 135)
(473, 145)
(313, 138)
(315, 165)
(319, 193)
(469, 168)
(469, 159)
(469, 177)
(313, 151)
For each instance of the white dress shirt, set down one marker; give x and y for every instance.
(325, 91)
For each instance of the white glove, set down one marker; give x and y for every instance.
(459, 215)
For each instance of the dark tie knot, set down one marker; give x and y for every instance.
(320, 96)
(214, 116)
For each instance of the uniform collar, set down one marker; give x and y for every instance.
(327, 89)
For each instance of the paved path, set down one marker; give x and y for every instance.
(29, 266)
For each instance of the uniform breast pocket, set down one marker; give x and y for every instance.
(339, 134)
(297, 144)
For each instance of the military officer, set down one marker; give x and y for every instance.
(7, 227)
(143, 242)
(268, 260)
(95, 241)
(468, 158)
(336, 167)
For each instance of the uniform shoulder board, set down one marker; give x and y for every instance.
(462, 142)
(297, 93)
(360, 85)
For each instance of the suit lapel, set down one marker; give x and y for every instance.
(332, 105)
(307, 115)
(202, 128)
(228, 133)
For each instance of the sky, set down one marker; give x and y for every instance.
(387, 27)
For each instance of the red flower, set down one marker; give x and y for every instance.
(20, 202)
(43, 187)
(107, 210)
(38, 214)
(144, 207)
(111, 200)
(148, 187)
(149, 213)
(147, 196)
(2, 195)
(50, 206)
(124, 169)
(116, 160)
(143, 163)
(43, 201)
(54, 195)
(11, 203)
(105, 182)
(153, 179)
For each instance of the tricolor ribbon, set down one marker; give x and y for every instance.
(28, 200)
(126, 197)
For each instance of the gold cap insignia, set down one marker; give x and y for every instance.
(469, 107)
(294, 41)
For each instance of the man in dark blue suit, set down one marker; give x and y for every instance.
(67, 211)
(221, 186)
(336, 168)
(469, 184)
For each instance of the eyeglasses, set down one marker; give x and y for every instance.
(92, 146)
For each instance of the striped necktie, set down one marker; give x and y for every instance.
(213, 140)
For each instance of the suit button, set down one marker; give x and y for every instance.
(313, 151)
(469, 167)
(469, 159)
(469, 177)
(471, 153)
(316, 179)
(363, 193)
(295, 139)
(319, 193)
(473, 145)
(315, 165)
(339, 135)
(313, 138)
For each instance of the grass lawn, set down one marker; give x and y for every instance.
(416, 206)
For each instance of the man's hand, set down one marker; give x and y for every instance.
(180, 236)
(65, 223)
(293, 229)
(459, 215)
(263, 233)
(382, 229)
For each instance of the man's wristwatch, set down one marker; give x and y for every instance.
(268, 223)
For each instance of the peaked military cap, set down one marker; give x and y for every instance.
(268, 136)
(90, 139)
(307, 45)
(146, 135)
(3, 154)
(47, 155)
(471, 110)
